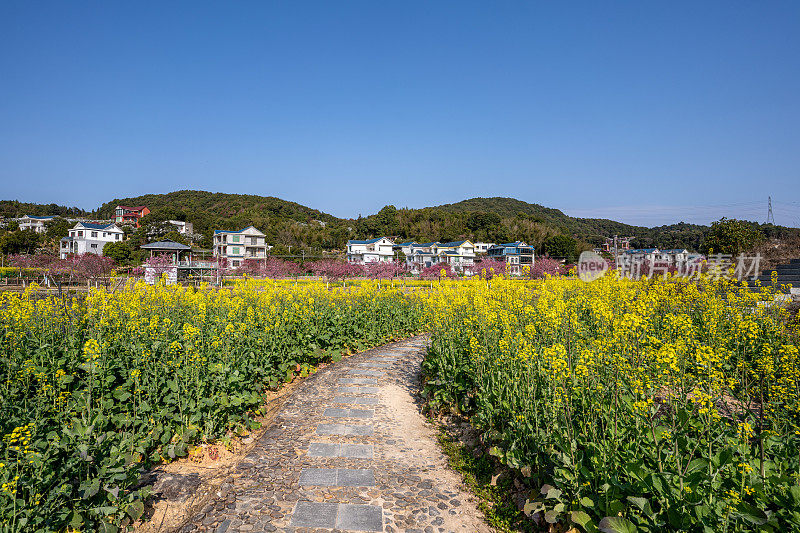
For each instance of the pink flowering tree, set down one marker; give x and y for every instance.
(488, 268)
(545, 265)
(384, 270)
(437, 271)
(277, 268)
(335, 270)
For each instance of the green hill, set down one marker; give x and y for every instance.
(506, 219)
(15, 209)
(287, 224)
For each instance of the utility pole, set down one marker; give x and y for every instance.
(770, 216)
(616, 252)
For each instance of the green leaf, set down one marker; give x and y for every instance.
(642, 504)
(751, 514)
(616, 524)
(105, 527)
(88, 489)
(583, 519)
(533, 506)
(697, 465)
(135, 510)
(551, 517)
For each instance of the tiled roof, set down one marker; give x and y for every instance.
(92, 225)
(36, 217)
(216, 231)
(453, 244)
(370, 241)
(165, 245)
(642, 251)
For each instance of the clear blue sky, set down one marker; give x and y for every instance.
(647, 112)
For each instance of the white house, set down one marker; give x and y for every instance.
(422, 255)
(458, 254)
(34, 223)
(405, 247)
(236, 246)
(675, 255)
(651, 255)
(515, 254)
(184, 228)
(89, 238)
(483, 247)
(370, 251)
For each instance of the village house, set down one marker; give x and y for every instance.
(482, 248)
(422, 255)
(129, 215)
(370, 251)
(515, 254)
(89, 238)
(237, 246)
(651, 255)
(404, 247)
(184, 228)
(675, 255)
(34, 223)
(458, 254)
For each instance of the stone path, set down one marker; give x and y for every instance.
(349, 451)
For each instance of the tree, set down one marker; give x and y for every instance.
(19, 242)
(57, 228)
(482, 221)
(120, 252)
(731, 236)
(561, 246)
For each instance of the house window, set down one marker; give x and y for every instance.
(235, 263)
(235, 238)
(117, 236)
(94, 234)
(80, 234)
(94, 246)
(235, 250)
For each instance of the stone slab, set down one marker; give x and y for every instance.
(326, 477)
(338, 412)
(359, 372)
(355, 477)
(349, 451)
(337, 477)
(343, 429)
(315, 514)
(358, 381)
(359, 517)
(361, 400)
(357, 390)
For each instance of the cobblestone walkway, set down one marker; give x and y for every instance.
(349, 451)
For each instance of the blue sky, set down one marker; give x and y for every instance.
(640, 111)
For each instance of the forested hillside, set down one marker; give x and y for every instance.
(284, 223)
(508, 219)
(303, 228)
(15, 209)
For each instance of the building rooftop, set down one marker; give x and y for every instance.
(92, 225)
(165, 245)
(370, 241)
(217, 231)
